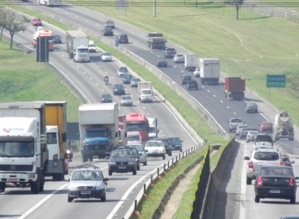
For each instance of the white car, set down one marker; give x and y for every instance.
(122, 70)
(239, 128)
(91, 46)
(251, 135)
(155, 148)
(126, 100)
(179, 58)
(106, 57)
(134, 137)
(197, 72)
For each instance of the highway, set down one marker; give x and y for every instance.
(52, 203)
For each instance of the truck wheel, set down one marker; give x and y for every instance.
(134, 172)
(145, 163)
(69, 199)
(34, 187)
(2, 187)
(248, 181)
(164, 157)
(110, 173)
(84, 158)
(138, 167)
(170, 154)
(91, 159)
(41, 187)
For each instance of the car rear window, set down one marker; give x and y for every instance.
(265, 138)
(276, 171)
(236, 121)
(266, 155)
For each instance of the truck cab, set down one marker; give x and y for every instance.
(145, 91)
(81, 54)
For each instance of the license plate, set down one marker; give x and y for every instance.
(85, 192)
(274, 191)
(122, 167)
(12, 180)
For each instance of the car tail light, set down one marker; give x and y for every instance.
(292, 182)
(250, 164)
(260, 181)
(282, 163)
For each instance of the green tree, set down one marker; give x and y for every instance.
(237, 4)
(2, 22)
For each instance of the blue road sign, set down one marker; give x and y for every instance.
(278, 81)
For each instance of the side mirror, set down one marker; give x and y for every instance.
(292, 162)
(106, 179)
(146, 150)
(246, 158)
(285, 159)
(296, 178)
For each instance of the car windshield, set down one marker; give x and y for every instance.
(179, 56)
(264, 138)
(136, 79)
(123, 153)
(154, 144)
(187, 76)
(276, 171)
(105, 54)
(266, 155)
(123, 36)
(174, 140)
(252, 104)
(146, 92)
(138, 147)
(106, 96)
(127, 76)
(123, 69)
(82, 50)
(56, 37)
(253, 132)
(171, 49)
(245, 129)
(126, 97)
(242, 126)
(236, 120)
(118, 86)
(86, 175)
(133, 138)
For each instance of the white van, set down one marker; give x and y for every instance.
(153, 128)
(134, 137)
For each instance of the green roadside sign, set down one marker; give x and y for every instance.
(276, 81)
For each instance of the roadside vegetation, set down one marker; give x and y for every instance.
(24, 79)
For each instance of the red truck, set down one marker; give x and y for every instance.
(234, 88)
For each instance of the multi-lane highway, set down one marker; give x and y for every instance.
(52, 203)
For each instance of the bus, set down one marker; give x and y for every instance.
(138, 122)
(49, 2)
(44, 33)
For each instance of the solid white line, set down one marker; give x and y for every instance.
(242, 212)
(41, 202)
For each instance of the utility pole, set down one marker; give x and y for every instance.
(154, 8)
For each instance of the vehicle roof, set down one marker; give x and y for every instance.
(87, 167)
(259, 149)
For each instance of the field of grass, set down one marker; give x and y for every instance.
(251, 47)
(23, 79)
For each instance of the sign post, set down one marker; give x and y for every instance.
(122, 5)
(116, 43)
(276, 81)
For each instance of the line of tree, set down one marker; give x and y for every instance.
(237, 4)
(13, 22)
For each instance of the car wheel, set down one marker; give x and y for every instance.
(110, 173)
(248, 181)
(164, 157)
(84, 158)
(91, 159)
(247, 141)
(293, 200)
(138, 167)
(103, 198)
(2, 187)
(181, 150)
(256, 199)
(145, 163)
(69, 199)
(170, 154)
(134, 172)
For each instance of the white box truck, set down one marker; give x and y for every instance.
(209, 70)
(77, 45)
(145, 90)
(153, 127)
(98, 126)
(191, 62)
(23, 148)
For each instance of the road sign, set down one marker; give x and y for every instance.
(121, 4)
(278, 81)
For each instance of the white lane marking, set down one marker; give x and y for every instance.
(97, 84)
(41, 202)
(90, 79)
(221, 101)
(143, 107)
(214, 95)
(84, 72)
(235, 113)
(77, 66)
(227, 107)
(264, 116)
(158, 56)
(182, 71)
(208, 91)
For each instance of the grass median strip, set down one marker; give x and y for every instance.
(24, 79)
(189, 114)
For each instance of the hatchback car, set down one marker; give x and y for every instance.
(126, 100)
(167, 145)
(251, 107)
(155, 148)
(161, 62)
(197, 72)
(122, 70)
(127, 78)
(141, 150)
(107, 31)
(176, 143)
(179, 58)
(123, 160)
(192, 85)
(122, 38)
(238, 129)
(266, 127)
(244, 132)
(169, 52)
(87, 181)
(277, 182)
(109, 23)
(106, 57)
(106, 98)
(119, 89)
(134, 82)
(186, 78)
(233, 123)
(251, 135)
(37, 22)
(261, 156)
(57, 39)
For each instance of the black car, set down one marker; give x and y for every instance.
(127, 78)
(176, 143)
(275, 182)
(123, 160)
(186, 78)
(122, 38)
(161, 62)
(106, 98)
(57, 39)
(107, 31)
(119, 89)
(167, 144)
(192, 85)
(169, 52)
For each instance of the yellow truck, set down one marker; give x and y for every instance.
(56, 126)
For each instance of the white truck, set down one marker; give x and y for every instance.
(153, 127)
(283, 126)
(23, 148)
(77, 45)
(209, 70)
(49, 2)
(98, 126)
(145, 90)
(191, 62)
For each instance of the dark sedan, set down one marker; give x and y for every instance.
(57, 39)
(106, 98)
(176, 143)
(276, 182)
(107, 31)
(161, 62)
(119, 89)
(192, 85)
(186, 78)
(127, 78)
(123, 38)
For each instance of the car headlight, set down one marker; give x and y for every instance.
(131, 163)
(72, 188)
(99, 187)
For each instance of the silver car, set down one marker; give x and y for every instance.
(239, 128)
(141, 151)
(179, 58)
(87, 181)
(126, 100)
(134, 82)
(122, 70)
(106, 57)
(251, 135)
(233, 123)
